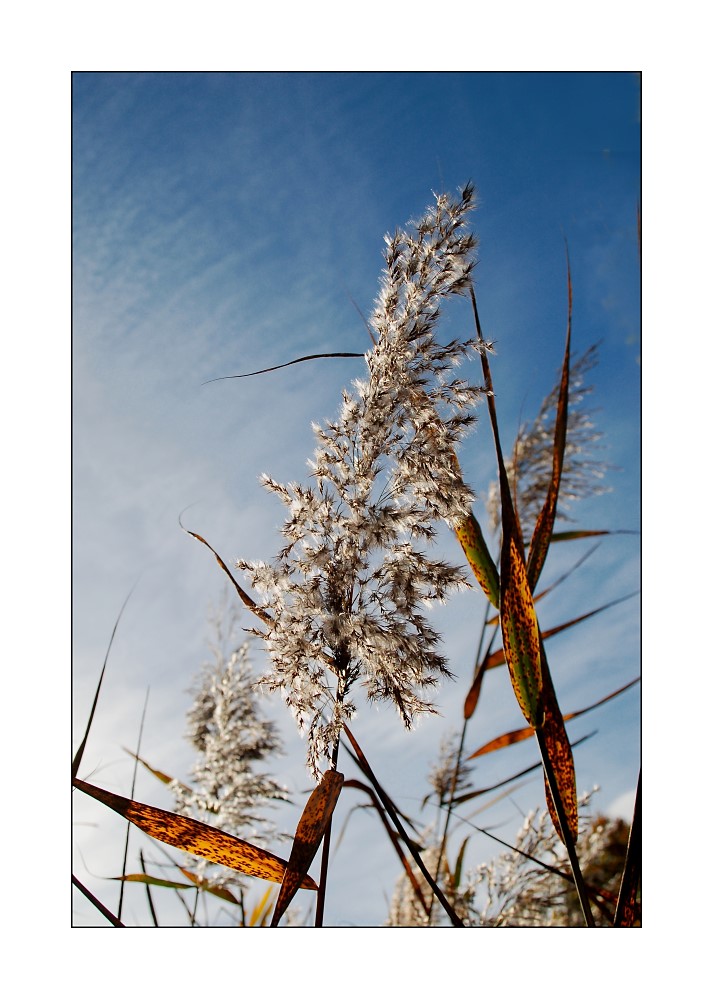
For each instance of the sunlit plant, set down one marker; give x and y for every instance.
(343, 605)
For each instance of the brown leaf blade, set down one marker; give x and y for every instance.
(559, 753)
(542, 535)
(246, 598)
(195, 837)
(521, 638)
(308, 836)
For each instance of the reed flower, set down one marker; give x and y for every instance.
(231, 738)
(514, 890)
(343, 600)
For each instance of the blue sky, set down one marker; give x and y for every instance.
(228, 222)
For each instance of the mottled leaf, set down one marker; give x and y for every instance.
(518, 623)
(559, 754)
(310, 830)
(481, 562)
(195, 837)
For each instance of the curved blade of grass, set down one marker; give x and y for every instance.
(149, 898)
(521, 734)
(310, 830)
(77, 761)
(459, 863)
(247, 600)
(542, 533)
(195, 837)
(497, 658)
(297, 360)
(574, 535)
(473, 695)
(159, 774)
(628, 911)
(204, 885)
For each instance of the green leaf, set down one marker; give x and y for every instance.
(481, 562)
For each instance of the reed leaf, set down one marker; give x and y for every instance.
(310, 830)
(521, 734)
(472, 542)
(148, 879)
(497, 658)
(195, 837)
(287, 364)
(544, 526)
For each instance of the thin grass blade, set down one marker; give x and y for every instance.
(77, 761)
(393, 836)
(261, 910)
(148, 879)
(521, 734)
(575, 535)
(392, 813)
(287, 364)
(246, 599)
(158, 774)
